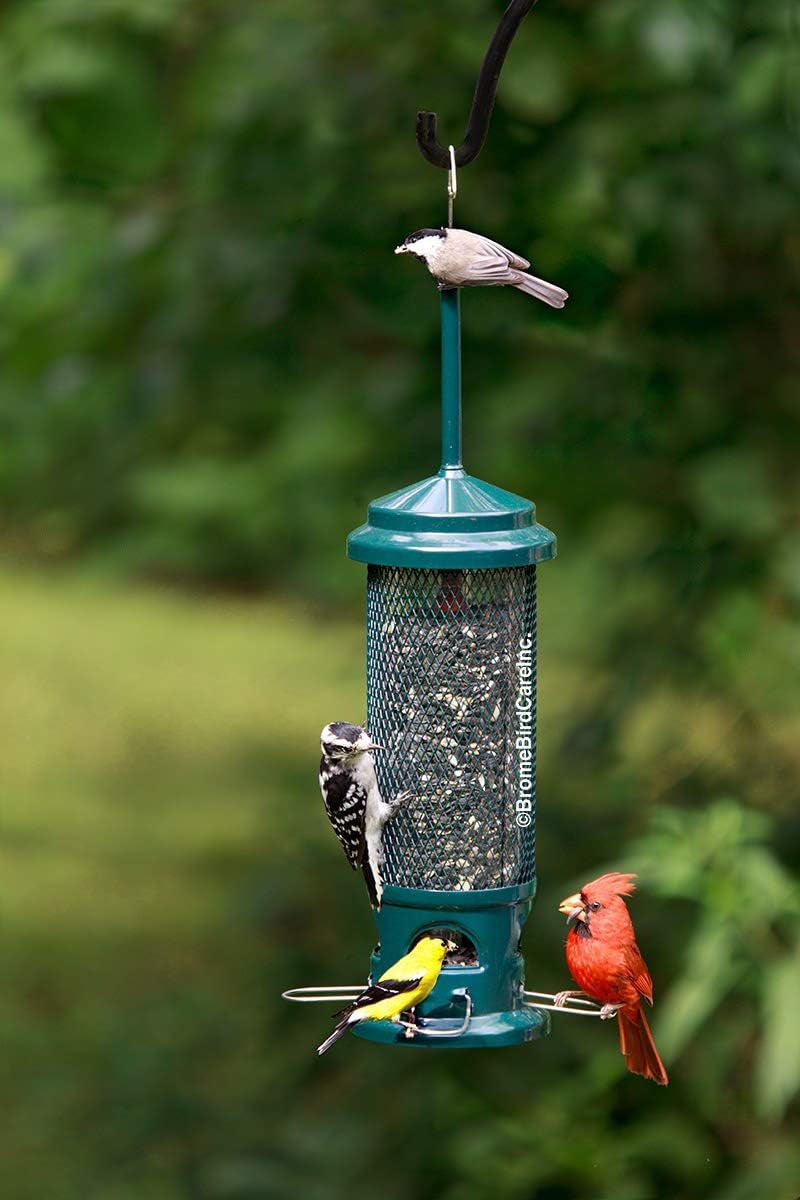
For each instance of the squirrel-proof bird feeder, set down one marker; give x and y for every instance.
(451, 695)
(451, 698)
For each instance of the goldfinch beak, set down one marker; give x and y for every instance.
(401, 249)
(573, 908)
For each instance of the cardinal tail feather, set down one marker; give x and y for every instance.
(636, 1043)
(340, 1030)
(541, 289)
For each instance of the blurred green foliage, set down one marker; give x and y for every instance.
(205, 333)
(210, 363)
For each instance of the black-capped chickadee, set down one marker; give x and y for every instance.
(457, 258)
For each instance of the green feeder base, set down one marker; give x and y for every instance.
(494, 1030)
(491, 922)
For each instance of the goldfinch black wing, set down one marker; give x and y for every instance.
(346, 803)
(384, 989)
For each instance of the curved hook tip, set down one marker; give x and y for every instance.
(439, 156)
(428, 142)
(483, 100)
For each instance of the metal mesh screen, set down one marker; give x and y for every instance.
(451, 681)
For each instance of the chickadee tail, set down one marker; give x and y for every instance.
(541, 289)
(340, 1030)
(373, 882)
(636, 1043)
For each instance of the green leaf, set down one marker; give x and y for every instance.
(710, 972)
(778, 1067)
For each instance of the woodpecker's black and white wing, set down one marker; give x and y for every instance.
(345, 801)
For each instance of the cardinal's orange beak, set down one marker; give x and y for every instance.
(573, 907)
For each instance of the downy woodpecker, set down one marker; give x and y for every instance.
(353, 801)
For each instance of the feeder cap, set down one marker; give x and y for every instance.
(451, 521)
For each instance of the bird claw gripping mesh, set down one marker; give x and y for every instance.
(443, 683)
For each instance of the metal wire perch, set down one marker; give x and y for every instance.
(347, 992)
(573, 1006)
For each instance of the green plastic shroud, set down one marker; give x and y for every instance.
(451, 598)
(492, 920)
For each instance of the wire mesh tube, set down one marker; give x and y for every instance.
(451, 685)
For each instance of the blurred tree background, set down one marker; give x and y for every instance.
(210, 363)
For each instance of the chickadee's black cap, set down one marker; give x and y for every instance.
(423, 233)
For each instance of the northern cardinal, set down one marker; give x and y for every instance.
(606, 963)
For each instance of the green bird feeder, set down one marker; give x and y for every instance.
(451, 695)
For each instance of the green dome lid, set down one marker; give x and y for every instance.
(451, 520)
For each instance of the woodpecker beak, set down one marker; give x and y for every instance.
(573, 907)
(375, 746)
(401, 249)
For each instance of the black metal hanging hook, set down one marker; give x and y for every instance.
(482, 102)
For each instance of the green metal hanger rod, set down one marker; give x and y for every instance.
(451, 381)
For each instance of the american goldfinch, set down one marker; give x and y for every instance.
(400, 989)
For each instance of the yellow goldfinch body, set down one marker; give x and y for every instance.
(402, 987)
